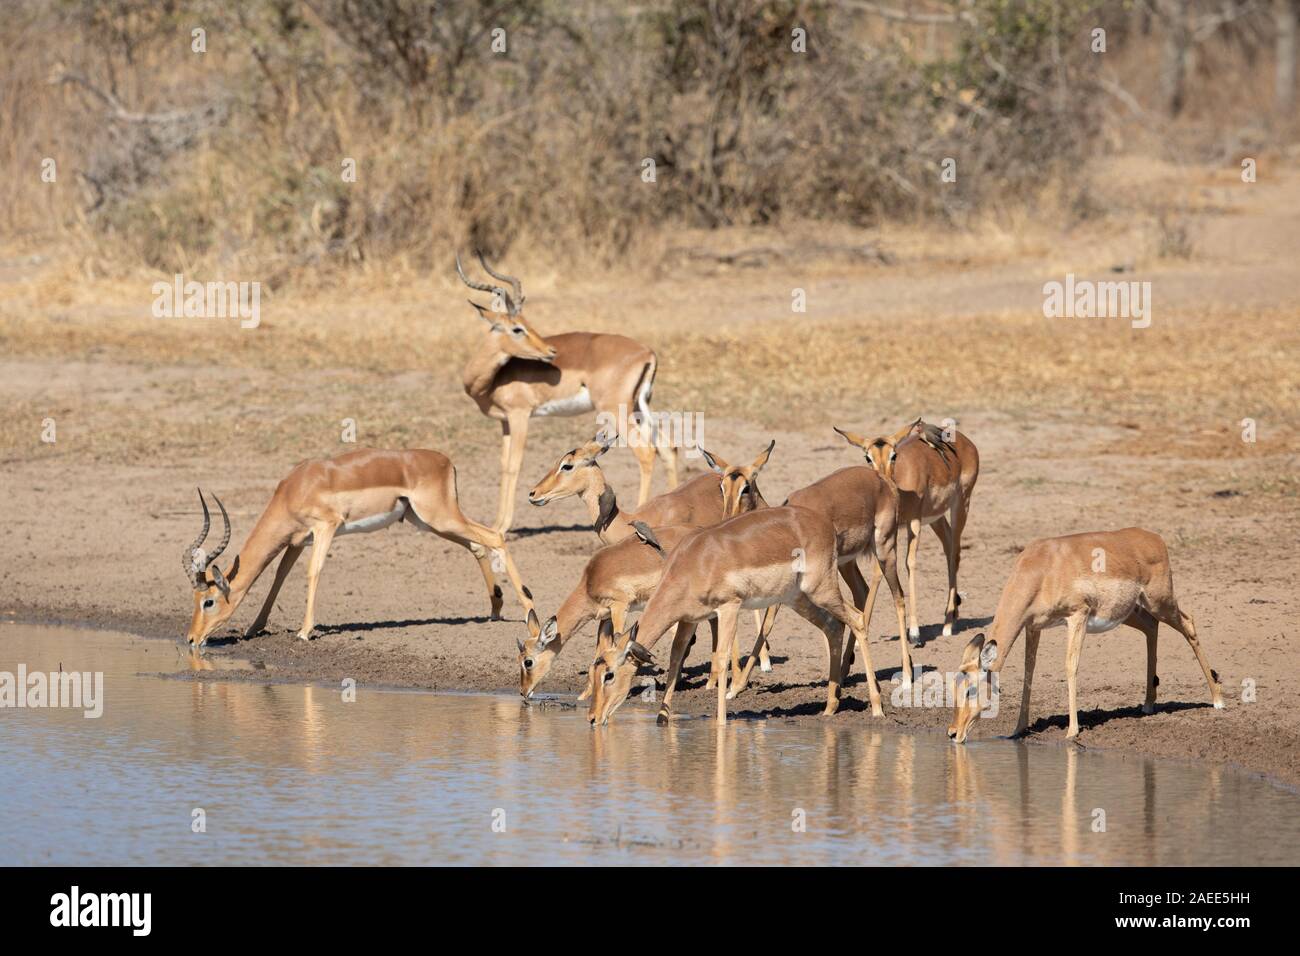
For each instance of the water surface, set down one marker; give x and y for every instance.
(294, 774)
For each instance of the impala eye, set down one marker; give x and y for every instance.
(567, 466)
(517, 330)
(209, 603)
(528, 662)
(609, 676)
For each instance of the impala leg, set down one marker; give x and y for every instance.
(518, 439)
(495, 598)
(946, 533)
(763, 621)
(1031, 657)
(887, 564)
(321, 536)
(287, 560)
(727, 617)
(681, 641)
(1141, 620)
(759, 653)
(913, 538)
(447, 522)
(1183, 624)
(643, 446)
(830, 623)
(713, 667)
(503, 494)
(1078, 624)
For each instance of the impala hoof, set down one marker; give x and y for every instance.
(304, 635)
(1218, 705)
(765, 666)
(947, 630)
(1148, 708)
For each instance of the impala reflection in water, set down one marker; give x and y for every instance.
(294, 774)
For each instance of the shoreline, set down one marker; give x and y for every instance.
(694, 706)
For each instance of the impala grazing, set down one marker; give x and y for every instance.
(766, 557)
(361, 491)
(621, 576)
(518, 374)
(935, 476)
(1091, 583)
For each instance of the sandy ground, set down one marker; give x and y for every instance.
(92, 526)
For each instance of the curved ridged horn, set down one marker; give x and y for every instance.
(495, 290)
(187, 556)
(516, 300)
(225, 535)
(480, 286)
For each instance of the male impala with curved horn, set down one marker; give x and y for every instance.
(771, 556)
(321, 498)
(1090, 582)
(935, 475)
(518, 374)
(703, 501)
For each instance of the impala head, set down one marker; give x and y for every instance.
(881, 453)
(612, 674)
(739, 482)
(537, 653)
(572, 473)
(976, 660)
(512, 332)
(212, 604)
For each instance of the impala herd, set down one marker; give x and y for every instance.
(705, 550)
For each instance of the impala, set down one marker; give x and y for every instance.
(322, 498)
(759, 559)
(935, 476)
(518, 374)
(702, 501)
(1091, 583)
(863, 508)
(620, 578)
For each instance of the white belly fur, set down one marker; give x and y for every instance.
(576, 404)
(374, 522)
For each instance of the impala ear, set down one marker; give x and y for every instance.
(519, 641)
(851, 437)
(534, 625)
(549, 633)
(219, 580)
(486, 314)
(717, 464)
(761, 460)
(988, 655)
(605, 439)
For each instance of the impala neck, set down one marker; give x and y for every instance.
(602, 505)
(481, 371)
(259, 550)
(573, 614)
